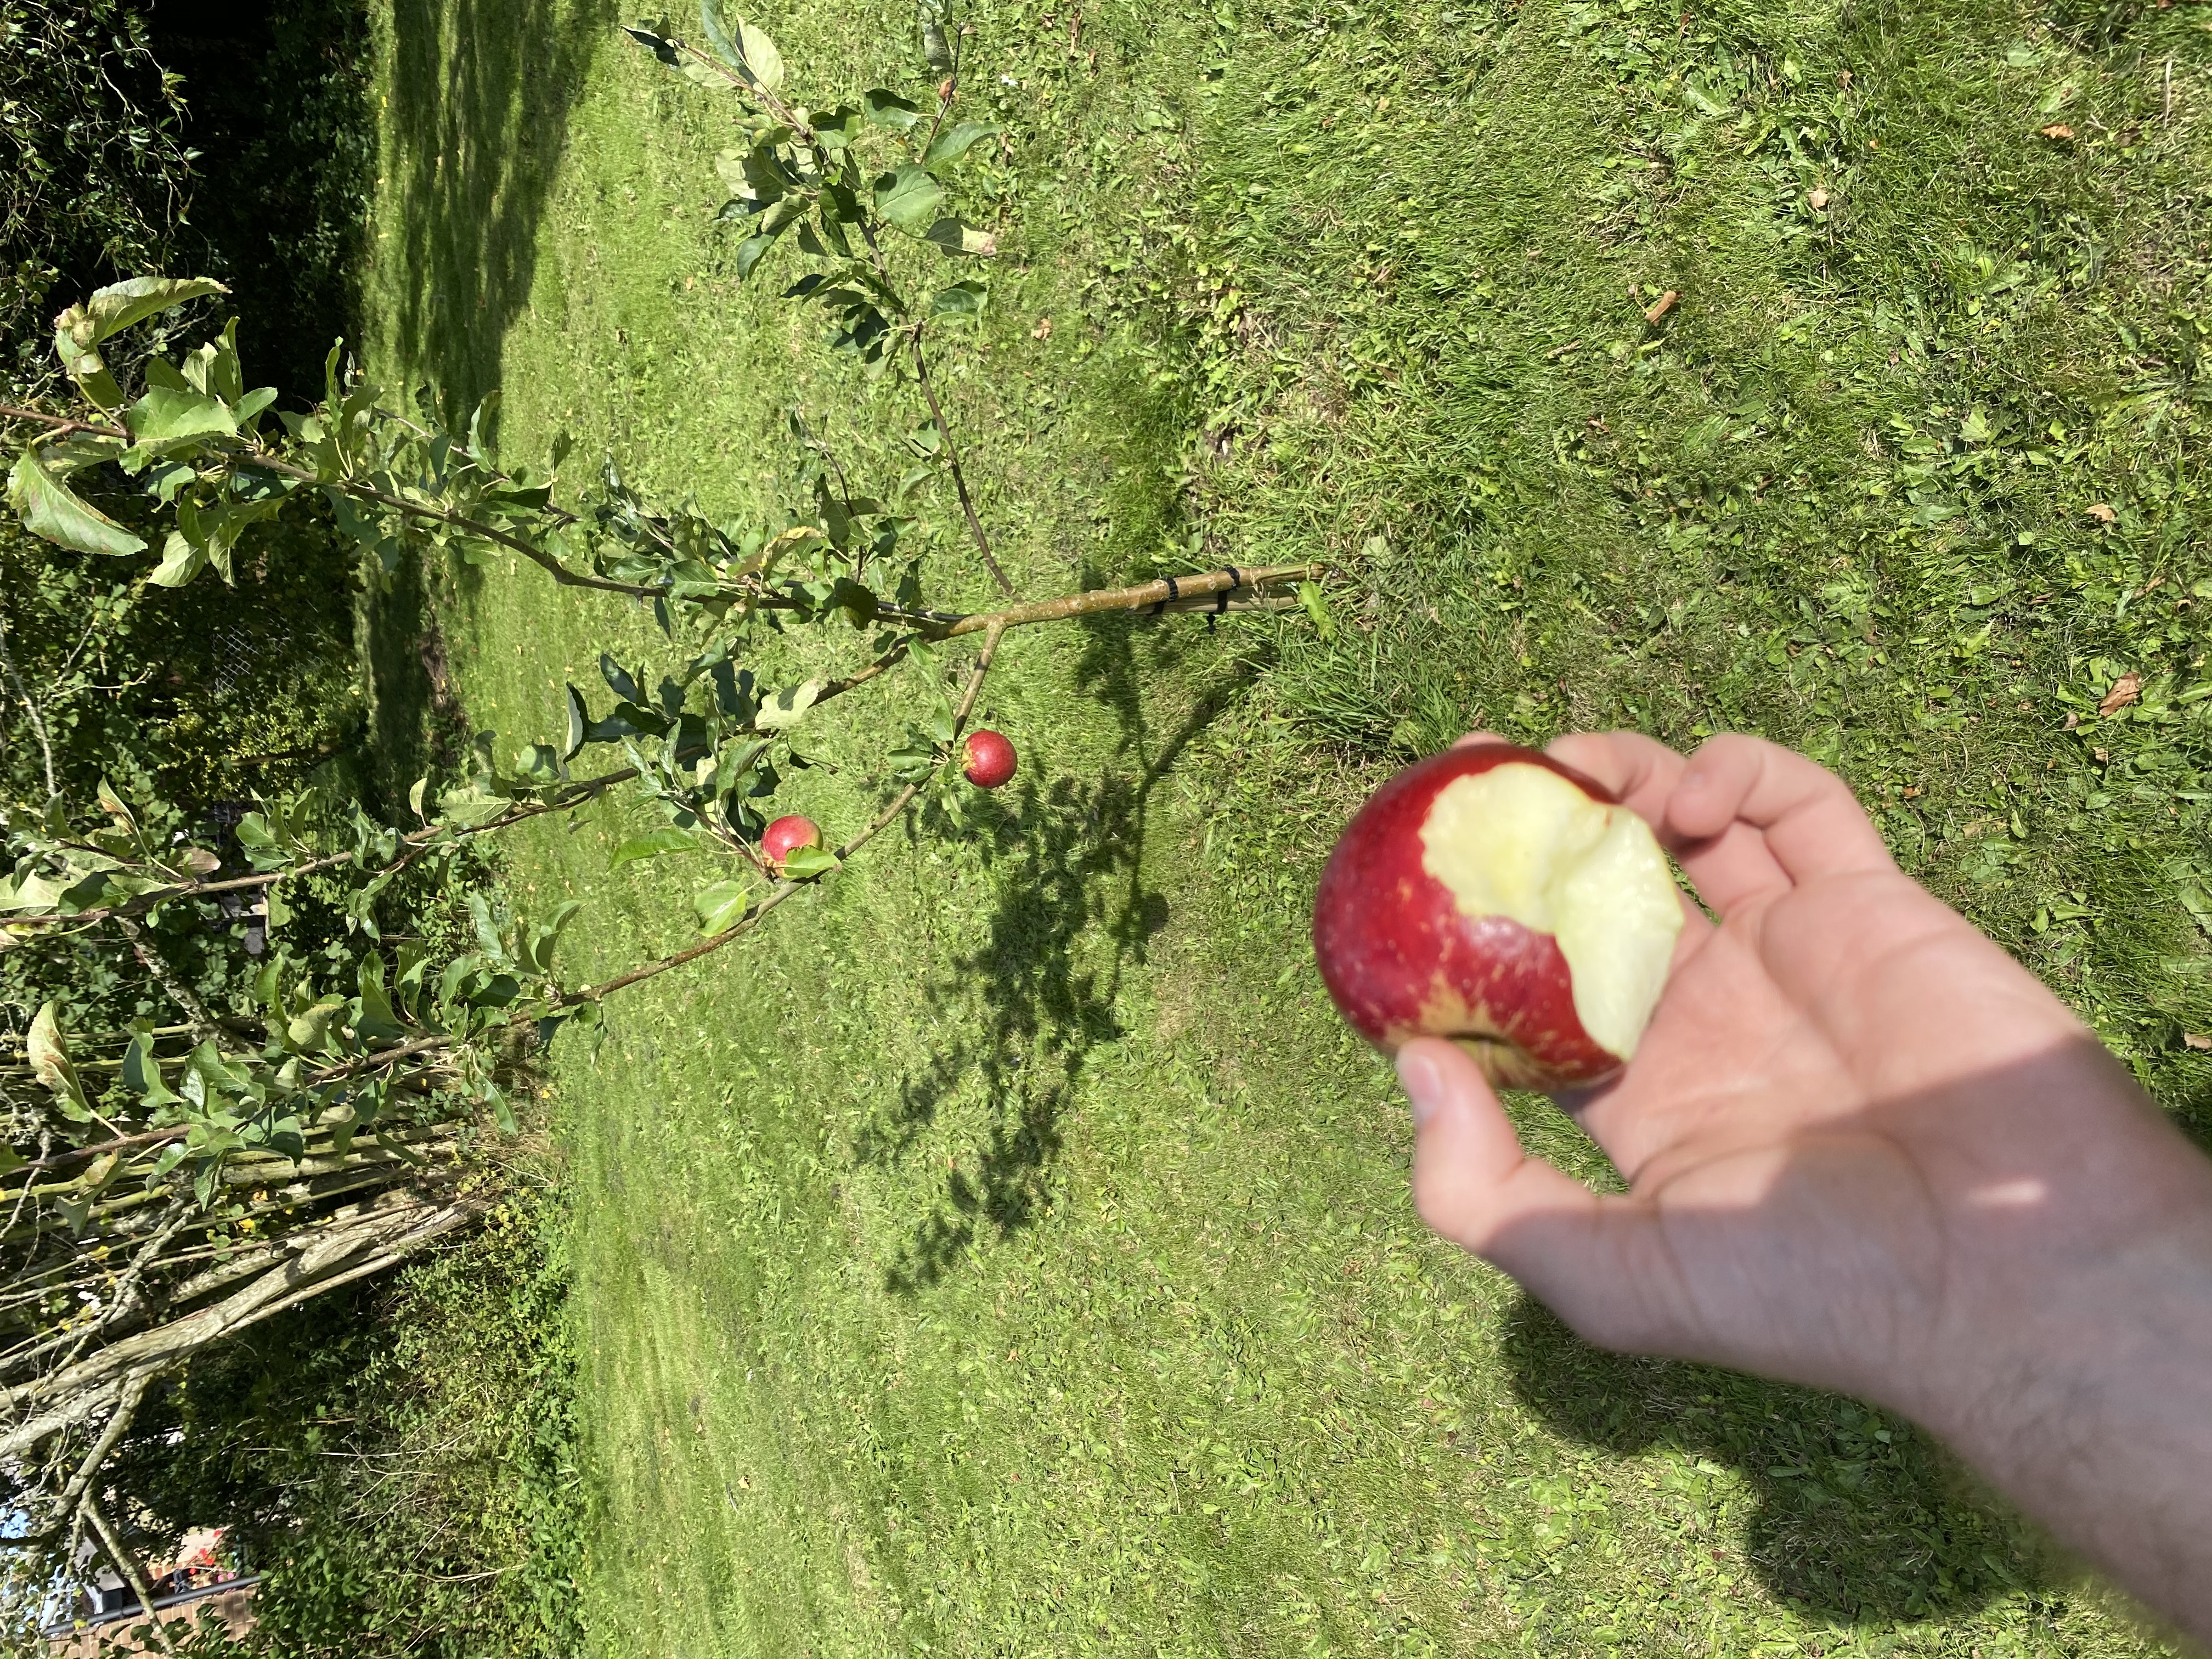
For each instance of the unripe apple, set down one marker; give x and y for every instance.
(780, 839)
(990, 759)
(1492, 895)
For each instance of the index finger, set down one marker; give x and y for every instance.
(1809, 823)
(1725, 867)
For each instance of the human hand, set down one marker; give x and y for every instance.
(1866, 1150)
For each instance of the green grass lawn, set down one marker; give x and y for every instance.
(1007, 1251)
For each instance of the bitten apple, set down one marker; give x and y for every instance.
(785, 836)
(1494, 896)
(990, 759)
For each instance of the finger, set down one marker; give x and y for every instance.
(1599, 1263)
(1724, 868)
(1640, 772)
(1474, 737)
(1471, 1179)
(1806, 819)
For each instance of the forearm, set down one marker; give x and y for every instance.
(2094, 1413)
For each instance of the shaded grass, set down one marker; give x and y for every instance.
(1007, 1251)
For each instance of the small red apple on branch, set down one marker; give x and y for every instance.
(1492, 895)
(785, 836)
(990, 758)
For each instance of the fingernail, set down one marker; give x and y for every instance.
(1425, 1085)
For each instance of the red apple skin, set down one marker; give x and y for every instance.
(779, 839)
(990, 759)
(1401, 962)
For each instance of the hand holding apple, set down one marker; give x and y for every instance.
(1868, 1151)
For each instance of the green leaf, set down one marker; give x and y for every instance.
(786, 707)
(79, 330)
(311, 1030)
(142, 1074)
(960, 303)
(47, 1050)
(63, 456)
(888, 109)
(652, 844)
(720, 907)
(115, 307)
(377, 1023)
(620, 680)
(718, 34)
(180, 562)
(838, 128)
(206, 535)
(909, 197)
(783, 213)
(936, 48)
(953, 142)
(663, 49)
(162, 419)
(1310, 596)
(49, 509)
(761, 58)
(955, 238)
(580, 725)
(750, 251)
(805, 863)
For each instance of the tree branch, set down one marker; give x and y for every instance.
(256, 456)
(784, 890)
(1168, 590)
(332, 1256)
(134, 1574)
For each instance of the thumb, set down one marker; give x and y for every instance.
(1473, 1185)
(1472, 1181)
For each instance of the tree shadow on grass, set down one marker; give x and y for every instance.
(1861, 1519)
(1037, 998)
(480, 93)
(416, 724)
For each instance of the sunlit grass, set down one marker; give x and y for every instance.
(1007, 1252)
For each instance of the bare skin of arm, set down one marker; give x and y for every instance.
(1867, 1151)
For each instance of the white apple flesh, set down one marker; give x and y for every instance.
(1493, 896)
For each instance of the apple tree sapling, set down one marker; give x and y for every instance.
(323, 1118)
(1494, 896)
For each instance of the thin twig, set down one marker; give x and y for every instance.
(72, 1503)
(952, 460)
(784, 890)
(134, 1574)
(573, 795)
(30, 708)
(256, 456)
